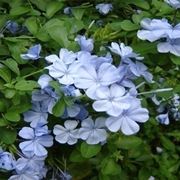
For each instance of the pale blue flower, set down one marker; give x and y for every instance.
(104, 8)
(64, 70)
(83, 114)
(44, 81)
(126, 76)
(85, 44)
(7, 161)
(73, 110)
(70, 90)
(36, 140)
(37, 115)
(65, 56)
(154, 29)
(93, 132)
(67, 10)
(13, 27)
(111, 100)
(158, 28)
(163, 118)
(47, 97)
(176, 100)
(31, 164)
(76, 111)
(139, 69)
(65, 176)
(174, 3)
(90, 79)
(25, 176)
(125, 52)
(85, 58)
(67, 134)
(126, 121)
(170, 45)
(33, 53)
(176, 113)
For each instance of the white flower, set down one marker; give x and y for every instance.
(125, 52)
(174, 3)
(44, 80)
(93, 132)
(64, 73)
(85, 44)
(126, 121)
(171, 45)
(163, 118)
(104, 8)
(89, 78)
(111, 100)
(64, 55)
(68, 133)
(154, 29)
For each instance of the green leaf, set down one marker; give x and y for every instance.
(140, 3)
(59, 108)
(12, 65)
(58, 32)
(167, 144)
(5, 73)
(7, 136)
(32, 25)
(19, 10)
(53, 7)
(76, 156)
(4, 50)
(110, 167)
(78, 13)
(127, 25)
(9, 93)
(89, 151)
(24, 85)
(175, 59)
(12, 116)
(3, 122)
(128, 142)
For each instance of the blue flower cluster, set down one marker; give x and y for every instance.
(161, 29)
(111, 88)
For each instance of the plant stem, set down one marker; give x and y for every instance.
(33, 73)
(156, 91)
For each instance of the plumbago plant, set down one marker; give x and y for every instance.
(89, 89)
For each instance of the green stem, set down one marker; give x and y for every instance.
(156, 91)
(33, 73)
(174, 17)
(28, 75)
